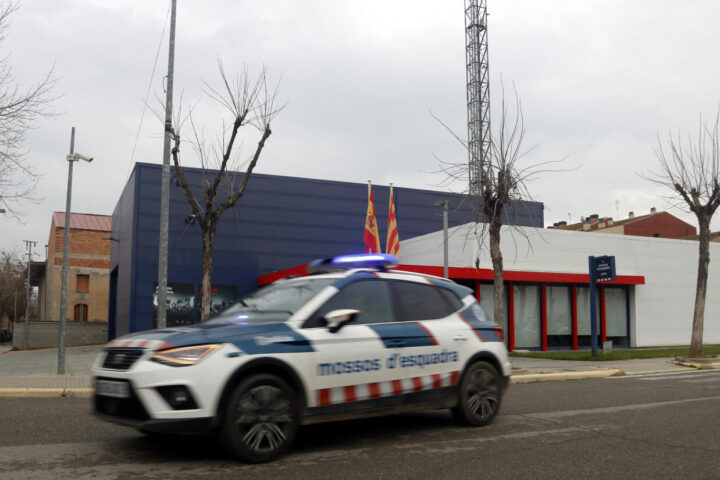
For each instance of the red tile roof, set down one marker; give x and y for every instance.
(84, 221)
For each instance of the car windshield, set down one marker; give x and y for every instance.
(277, 300)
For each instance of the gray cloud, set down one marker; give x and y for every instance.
(597, 79)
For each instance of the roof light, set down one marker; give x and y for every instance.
(347, 262)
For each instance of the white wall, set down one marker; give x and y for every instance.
(661, 309)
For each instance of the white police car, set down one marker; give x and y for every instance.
(354, 342)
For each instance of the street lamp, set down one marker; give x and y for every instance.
(444, 204)
(73, 157)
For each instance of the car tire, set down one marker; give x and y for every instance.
(479, 395)
(261, 419)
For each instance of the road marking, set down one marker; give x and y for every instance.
(622, 408)
(661, 375)
(703, 380)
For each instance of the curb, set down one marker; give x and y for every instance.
(699, 366)
(26, 392)
(561, 376)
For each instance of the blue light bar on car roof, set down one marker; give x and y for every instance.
(348, 262)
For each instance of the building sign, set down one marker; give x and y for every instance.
(605, 268)
(601, 270)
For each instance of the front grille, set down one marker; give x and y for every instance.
(121, 358)
(130, 407)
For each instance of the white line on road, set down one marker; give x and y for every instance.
(606, 410)
(660, 376)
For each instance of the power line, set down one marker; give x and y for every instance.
(147, 93)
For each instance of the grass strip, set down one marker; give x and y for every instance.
(624, 354)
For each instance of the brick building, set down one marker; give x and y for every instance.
(88, 277)
(654, 224)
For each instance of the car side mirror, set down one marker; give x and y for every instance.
(336, 319)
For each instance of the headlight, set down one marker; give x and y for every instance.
(185, 356)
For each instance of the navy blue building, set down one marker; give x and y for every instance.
(280, 222)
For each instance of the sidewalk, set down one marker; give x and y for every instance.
(34, 372)
(540, 369)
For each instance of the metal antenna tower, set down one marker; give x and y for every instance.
(478, 91)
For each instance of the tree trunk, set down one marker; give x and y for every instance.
(208, 244)
(696, 342)
(497, 262)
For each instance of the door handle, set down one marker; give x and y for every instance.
(395, 343)
(460, 337)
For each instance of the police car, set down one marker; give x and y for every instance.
(353, 339)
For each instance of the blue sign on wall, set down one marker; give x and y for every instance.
(605, 268)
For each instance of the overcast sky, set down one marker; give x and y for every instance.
(598, 81)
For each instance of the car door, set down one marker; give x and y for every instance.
(351, 364)
(435, 347)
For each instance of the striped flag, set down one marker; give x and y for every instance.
(371, 237)
(393, 241)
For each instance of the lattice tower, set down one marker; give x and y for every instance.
(478, 91)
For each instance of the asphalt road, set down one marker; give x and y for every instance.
(657, 427)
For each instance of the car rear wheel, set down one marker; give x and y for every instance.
(479, 395)
(261, 419)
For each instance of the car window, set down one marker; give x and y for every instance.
(370, 297)
(277, 301)
(420, 302)
(452, 299)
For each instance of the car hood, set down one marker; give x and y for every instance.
(274, 337)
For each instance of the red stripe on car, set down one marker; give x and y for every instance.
(350, 395)
(471, 327)
(324, 397)
(432, 337)
(374, 389)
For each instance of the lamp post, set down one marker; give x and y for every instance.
(445, 205)
(73, 157)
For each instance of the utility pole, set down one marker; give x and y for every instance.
(165, 188)
(66, 254)
(72, 157)
(445, 204)
(29, 245)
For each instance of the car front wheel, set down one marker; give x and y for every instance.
(261, 419)
(479, 395)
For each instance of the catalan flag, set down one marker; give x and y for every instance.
(393, 241)
(371, 237)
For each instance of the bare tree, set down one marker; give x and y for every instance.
(20, 110)
(690, 169)
(250, 103)
(502, 189)
(12, 280)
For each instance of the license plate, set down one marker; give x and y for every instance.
(109, 388)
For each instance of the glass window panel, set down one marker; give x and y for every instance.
(583, 313)
(559, 316)
(370, 297)
(487, 303)
(421, 302)
(451, 298)
(527, 316)
(616, 312)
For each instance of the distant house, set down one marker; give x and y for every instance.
(714, 237)
(88, 279)
(654, 224)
